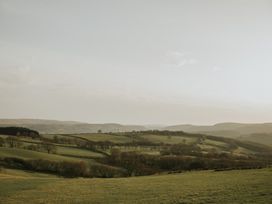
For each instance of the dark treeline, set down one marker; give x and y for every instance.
(80, 143)
(139, 164)
(19, 131)
(15, 142)
(134, 164)
(64, 168)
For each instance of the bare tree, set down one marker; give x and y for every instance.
(13, 142)
(49, 147)
(2, 142)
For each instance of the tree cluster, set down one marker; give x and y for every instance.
(139, 164)
(19, 131)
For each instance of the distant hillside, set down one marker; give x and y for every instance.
(260, 133)
(225, 129)
(67, 127)
(262, 138)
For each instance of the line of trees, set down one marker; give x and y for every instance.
(139, 164)
(68, 169)
(14, 142)
(62, 168)
(11, 141)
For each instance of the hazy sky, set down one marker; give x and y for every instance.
(136, 62)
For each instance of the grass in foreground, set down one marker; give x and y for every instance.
(239, 186)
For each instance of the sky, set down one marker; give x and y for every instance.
(136, 62)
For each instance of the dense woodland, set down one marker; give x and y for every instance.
(17, 131)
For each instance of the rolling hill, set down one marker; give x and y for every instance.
(225, 129)
(259, 132)
(262, 138)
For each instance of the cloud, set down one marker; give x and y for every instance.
(179, 59)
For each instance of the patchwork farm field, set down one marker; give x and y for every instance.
(132, 167)
(237, 186)
(27, 154)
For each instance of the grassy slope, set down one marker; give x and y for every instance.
(96, 137)
(169, 140)
(104, 137)
(16, 173)
(261, 138)
(76, 152)
(62, 149)
(211, 142)
(218, 143)
(68, 152)
(246, 186)
(28, 154)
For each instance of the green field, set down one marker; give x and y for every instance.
(28, 154)
(134, 167)
(238, 186)
(206, 144)
(105, 137)
(170, 139)
(77, 152)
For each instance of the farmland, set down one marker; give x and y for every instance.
(136, 153)
(238, 186)
(133, 167)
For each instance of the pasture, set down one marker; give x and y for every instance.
(237, 186)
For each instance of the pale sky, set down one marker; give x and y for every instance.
(136, 62)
